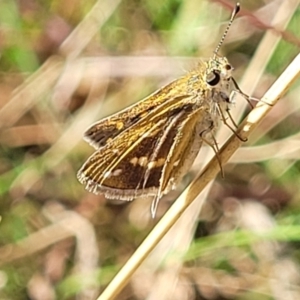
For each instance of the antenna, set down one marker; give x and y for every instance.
(234, 13)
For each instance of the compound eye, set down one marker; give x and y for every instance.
(213, 78)
(228, 67)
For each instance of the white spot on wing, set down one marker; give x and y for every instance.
(176, 163)
(117, 172)
(151, 165)
(134, 161)
(107, 174)
(143, 160)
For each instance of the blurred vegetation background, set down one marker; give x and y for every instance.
(66, 64)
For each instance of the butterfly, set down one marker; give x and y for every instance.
(147, 148)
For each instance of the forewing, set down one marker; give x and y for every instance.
(126, 167)
(108, 128)
(185, 148)
(114, 170)
(182, 153)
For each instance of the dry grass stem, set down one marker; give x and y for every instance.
(287, 148)
(277, 90)
(181, 234)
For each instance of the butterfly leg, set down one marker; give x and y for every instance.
(220, 111)
(213, 145)
(247, 97)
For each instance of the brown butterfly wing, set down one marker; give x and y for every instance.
(133, 163)
(183, 152)
(108, 128)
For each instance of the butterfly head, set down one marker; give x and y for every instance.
(218, 71)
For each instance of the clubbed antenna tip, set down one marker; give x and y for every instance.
(234, 13)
